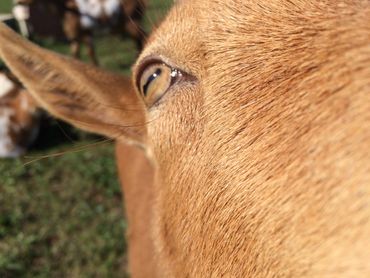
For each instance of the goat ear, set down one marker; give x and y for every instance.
(87, 97)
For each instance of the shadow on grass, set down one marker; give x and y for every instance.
(54, 133)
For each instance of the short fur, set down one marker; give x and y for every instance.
(262, 158)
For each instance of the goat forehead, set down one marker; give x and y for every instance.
(246, 55)
(229, 44)
(194, 31)
(178, 41)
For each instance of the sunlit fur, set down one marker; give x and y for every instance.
(261, 159)
(264, 163)
(136, 177)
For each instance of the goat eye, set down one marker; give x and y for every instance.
(155, 80)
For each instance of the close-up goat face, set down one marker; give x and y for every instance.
(254, 118)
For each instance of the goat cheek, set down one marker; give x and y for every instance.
(175, 126)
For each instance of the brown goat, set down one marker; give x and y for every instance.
(255, 115)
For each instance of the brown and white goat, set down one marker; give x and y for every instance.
(19, 123)
(256, 117)
(79, 19)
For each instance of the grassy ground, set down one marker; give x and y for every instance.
(5, 6)
(62, 216)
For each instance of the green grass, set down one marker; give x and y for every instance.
(5, 6)
(63, 216)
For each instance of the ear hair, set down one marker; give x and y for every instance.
(86, 96)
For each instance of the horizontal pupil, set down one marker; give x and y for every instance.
(150, 79)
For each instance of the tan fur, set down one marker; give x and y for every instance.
(262, 156)
(136, 177)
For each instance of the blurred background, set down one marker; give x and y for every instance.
(61, 211)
